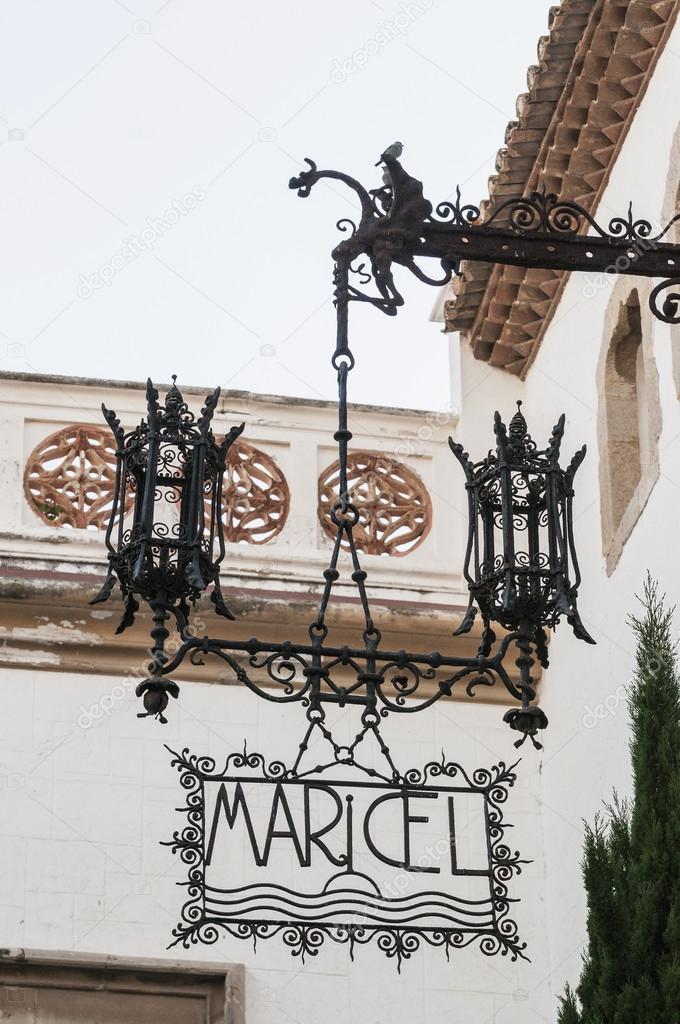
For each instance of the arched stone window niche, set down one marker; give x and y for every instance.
(629, 419)
(671, 207)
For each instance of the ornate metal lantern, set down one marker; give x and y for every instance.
(166, 546)
(520, 550)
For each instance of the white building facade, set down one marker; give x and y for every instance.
(588, 346)
(89, 895)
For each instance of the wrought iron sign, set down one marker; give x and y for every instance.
(166, 536)
(395, 859)
(166, 543)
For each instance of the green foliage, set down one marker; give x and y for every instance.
(631, 860)
(568, 1008)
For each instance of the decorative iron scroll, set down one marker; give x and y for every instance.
(350, 907)
(69, 477)
(255, 496)
(399, 226)
(394, 508)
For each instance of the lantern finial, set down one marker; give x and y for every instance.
(518, 432)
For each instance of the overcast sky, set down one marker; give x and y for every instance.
(146, 224)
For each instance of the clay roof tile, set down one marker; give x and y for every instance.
(593, 69)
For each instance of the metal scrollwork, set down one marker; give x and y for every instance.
(398, 226)
(398, 926)
(520, 564)
(666, 308)
(457, 212)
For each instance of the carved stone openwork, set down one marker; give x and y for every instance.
(255, 497)
(395, 511)
(69, 477)
(69, 480)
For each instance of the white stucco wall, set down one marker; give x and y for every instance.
(84, 810)
(87, 792)
(586, 755)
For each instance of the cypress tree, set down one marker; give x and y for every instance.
(568, 1008)
(631, 859)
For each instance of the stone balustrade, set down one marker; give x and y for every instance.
(56, 463)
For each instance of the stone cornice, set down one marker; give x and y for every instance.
(46, 623)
